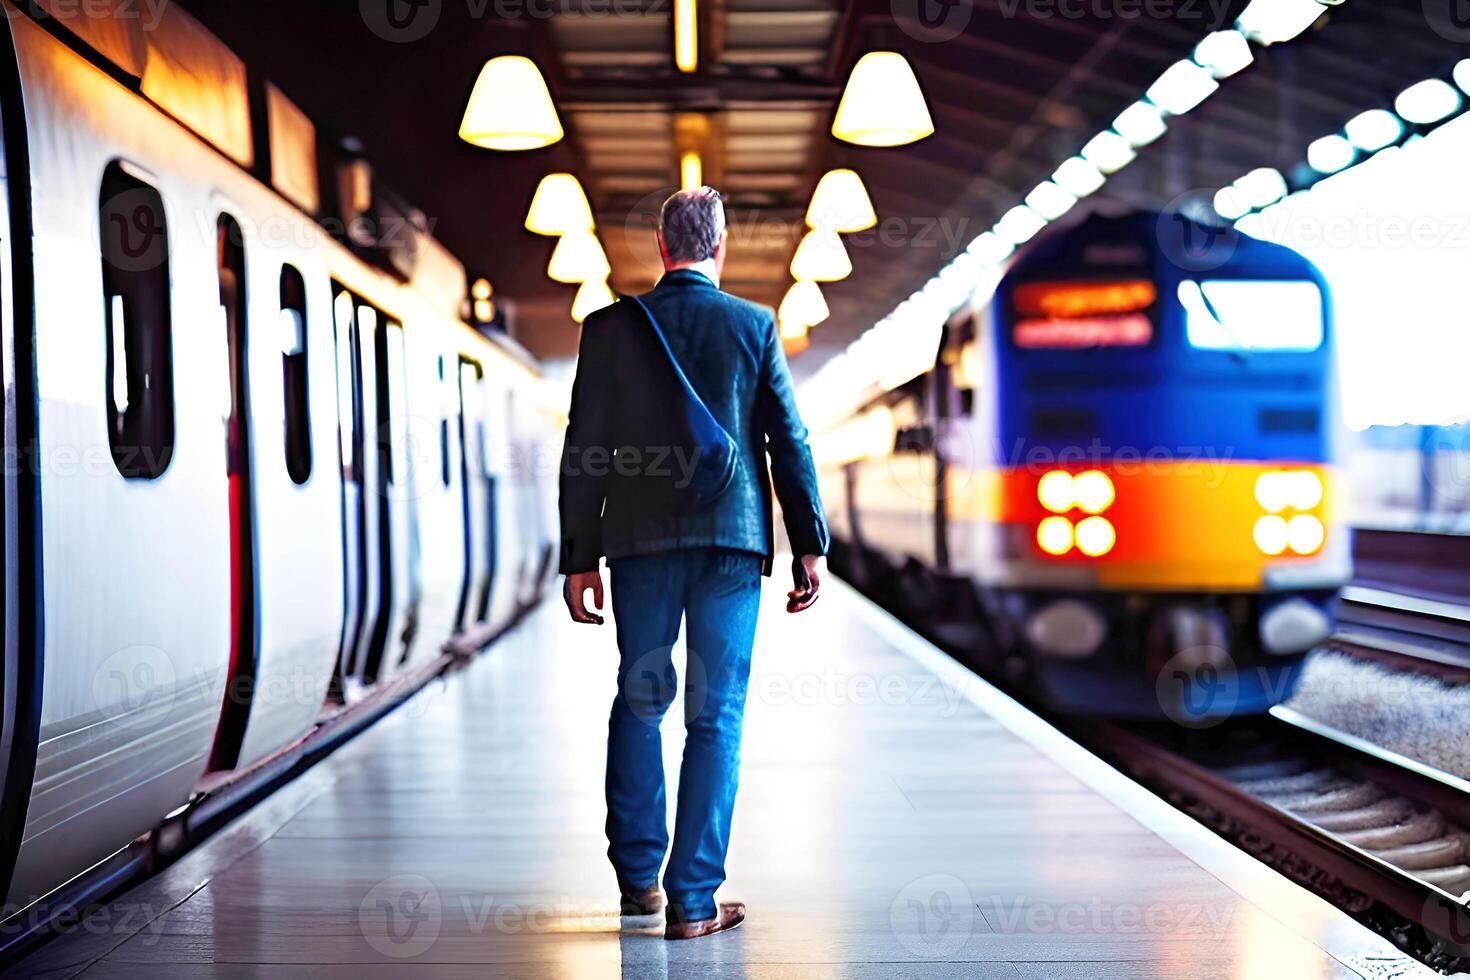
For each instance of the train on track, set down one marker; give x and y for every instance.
(257, 460)
(1117, 482)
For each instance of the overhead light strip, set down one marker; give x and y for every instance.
(1418, 110)
(897, 348)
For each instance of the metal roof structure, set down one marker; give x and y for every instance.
(1014, 86)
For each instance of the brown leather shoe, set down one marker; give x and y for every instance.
(649, 901)
(727, 917)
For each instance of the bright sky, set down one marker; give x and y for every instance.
(1392, 236)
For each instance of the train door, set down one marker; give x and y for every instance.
(469, 413)
(388, 611)
(370, 475)
(19, 723)
(402, 496)
(349, 428)
(489, 537)
(230, 264)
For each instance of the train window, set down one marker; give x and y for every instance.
(447, 400)
(472, 437)
(1247, 315)
(349, 383)
(393, 392)
(371, 319)
(295, 377)
(139, 387)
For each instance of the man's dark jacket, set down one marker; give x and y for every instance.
(619, 462)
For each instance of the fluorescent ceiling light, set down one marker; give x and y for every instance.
(1140, 124)
(1108, 152)
(1330, 154)
(686, 35)
(1019, 224)
(1181, 87)
(1428, 101)
(1374, 129)
(1274, 21)
(1050, 201)
(1229, 203)
(1224, 53)
(1078, 176)
(1261, 187)
(1461, 75)
(990, 248)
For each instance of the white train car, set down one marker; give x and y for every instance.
(251, 469)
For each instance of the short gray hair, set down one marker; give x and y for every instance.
(691, 223)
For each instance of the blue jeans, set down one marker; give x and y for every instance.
(717, 592)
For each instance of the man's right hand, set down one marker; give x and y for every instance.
(574, 592)
(806, 577)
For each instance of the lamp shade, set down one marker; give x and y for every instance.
(792, 334)
(559, 207)
(882, 104)
(803, 304)
(578, 257)
(510, 107)
(841, 203)
(820, 257)
(591, 296)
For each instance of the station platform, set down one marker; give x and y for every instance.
(897, 817)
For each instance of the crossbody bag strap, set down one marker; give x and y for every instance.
(664, 343)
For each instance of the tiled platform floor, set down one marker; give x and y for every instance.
(897, 818)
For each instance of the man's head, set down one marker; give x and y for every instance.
(691, 229)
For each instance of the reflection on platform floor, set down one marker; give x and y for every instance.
(887, 826)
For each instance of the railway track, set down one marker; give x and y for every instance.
(1381, 836)
(1409, 606)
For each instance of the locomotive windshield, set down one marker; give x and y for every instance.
(1250, 315)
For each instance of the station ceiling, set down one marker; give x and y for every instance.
(1015, 87)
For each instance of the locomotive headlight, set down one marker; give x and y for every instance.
(1056, 492)
(1304, 533)
(1306, 490)
(1270, 534)
(1054, 535)
(1093, 492)
(1095, 536)
(1297, 489)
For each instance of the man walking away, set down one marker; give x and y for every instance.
(632, 490)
